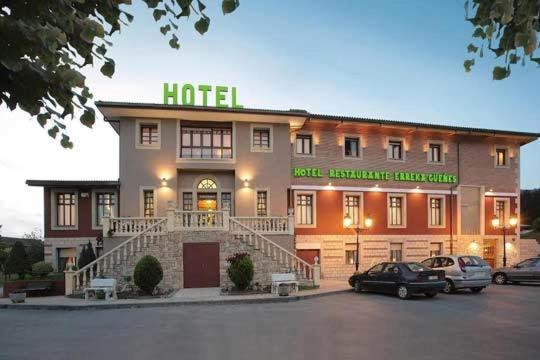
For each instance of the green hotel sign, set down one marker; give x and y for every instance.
(207, 95)
(358, 174)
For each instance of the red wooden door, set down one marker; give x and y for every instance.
(201, 265)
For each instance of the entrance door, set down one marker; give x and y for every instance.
(201, 265)
(489, 252)
(207, 201)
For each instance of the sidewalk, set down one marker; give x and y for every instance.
(182, 297)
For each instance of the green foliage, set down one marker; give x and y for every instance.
(17, 261)
(506, 27)
(148, 273)
(87, 255)
(529, 205)
(46, 45)
(536, 224)
(42, 269)
(240, 272)
(36, 253)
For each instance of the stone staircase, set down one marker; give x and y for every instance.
(163, 239)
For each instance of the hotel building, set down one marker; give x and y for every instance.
(280, 184)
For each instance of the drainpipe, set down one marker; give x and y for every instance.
(452, 201)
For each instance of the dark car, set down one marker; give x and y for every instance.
(400, 278)
(526, 271)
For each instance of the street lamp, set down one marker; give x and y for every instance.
(347, 223)
(496, 223)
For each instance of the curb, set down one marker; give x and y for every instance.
(270, 300)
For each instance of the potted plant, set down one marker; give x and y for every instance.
(17, 296)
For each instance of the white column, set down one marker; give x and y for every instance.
(316, 275)
(291, 224)
(68, 274)
(226, 220)
(171, 216)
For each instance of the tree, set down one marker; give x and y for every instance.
(3, 258)
(45, 45)
(505, 27)
(536, 225)
(147, 274)
(87, 255)
(17, 261)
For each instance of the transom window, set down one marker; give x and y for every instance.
(435, 153)
(435, 212)
(105, 204)
(65, 209)
(261, 138)
(352, 208)
(304, 209)
(207, 184)
(206, 143)
(352, 147)
(149, 134)
(395, 150)
(395, 217)
(501, 157)
(303, 144)
(148, 203)
(262, 203)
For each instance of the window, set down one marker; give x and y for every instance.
(352, 207)
(261, 139)
(395, 149)
(352, 147)
(436, 211)
(501, 157)
(376, 269)
(226, 201)
(396, 210)
(262, 203)
(416, 267)
(435, 153)
(207, 184)
(149, 134)
(501, 211)
(435, 249)
(105, 205)
(187, 201)
(304, 209)
(303, 144)
(148, 203)
(396, 252)
(350, 257)
(66, 209)
(206, 143)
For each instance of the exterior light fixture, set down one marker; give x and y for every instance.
(347, 223)
(163, 182)
(246, 183)
(496, 223)
(368, 222)
(512, 221)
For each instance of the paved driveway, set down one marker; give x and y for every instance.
(502, 323)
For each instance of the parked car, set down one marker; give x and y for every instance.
(526, 271)
(462, 272)
(400, 278)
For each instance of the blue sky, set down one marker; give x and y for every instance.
(398, 60)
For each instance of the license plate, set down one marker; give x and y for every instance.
(433, 277)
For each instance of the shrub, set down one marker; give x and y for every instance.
(148, 273)
(17, 261)
(87, 255)
(536, 224)
(41, 269)
(36, 253)
(241, 270)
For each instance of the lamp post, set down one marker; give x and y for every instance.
(497, 224)
(347, 223)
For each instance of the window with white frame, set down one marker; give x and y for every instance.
(436, 211)
(148, 203)
(262, 203)
(206, 143)
(395, 149)
(350, 257)
(66, 209)
(396, 210)
(435, 153)
(304, 209)
(351, 147)
(396, 252)
(502, 210)
(105, 206)
(148, 134)
(352, 207)
(187, 201)
(261, 138)
(501, 157)
(304, 144)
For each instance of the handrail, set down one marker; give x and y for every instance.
(273, 243)
(89, 265)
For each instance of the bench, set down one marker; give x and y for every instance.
(108, 286)
(284, 278)
(38, 287)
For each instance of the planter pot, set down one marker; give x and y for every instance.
(283, 290)
(17, 297)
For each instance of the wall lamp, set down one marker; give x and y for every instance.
(163, 182)
(246, 183)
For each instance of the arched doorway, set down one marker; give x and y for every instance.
(207, 194)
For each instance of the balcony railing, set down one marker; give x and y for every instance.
(268, 225)
(201, 220)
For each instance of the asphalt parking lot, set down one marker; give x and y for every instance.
(501, 323)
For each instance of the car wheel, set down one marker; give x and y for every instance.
(431, 294)
(403, 292)
(500, 279)
(357, 287)
(449, 287)
(476, 290)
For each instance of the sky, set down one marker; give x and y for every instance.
(398, 60)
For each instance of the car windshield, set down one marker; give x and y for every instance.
(416, 267)
(473, 261)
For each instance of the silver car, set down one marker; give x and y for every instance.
(462, 272)
(527, 270)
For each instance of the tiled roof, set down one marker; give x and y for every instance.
(81, 183)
